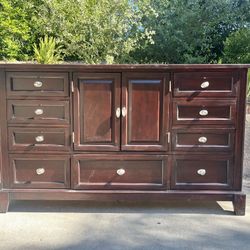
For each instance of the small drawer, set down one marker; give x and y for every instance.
(39, 139)
(37, 84)
(39, 111)
(119, 172)
(203, 140)
(33, 171)
(204, 112)
(206, 84)
(202, 172)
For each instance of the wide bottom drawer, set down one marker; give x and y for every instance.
(202, 172)
(119, 172)
(35, 171)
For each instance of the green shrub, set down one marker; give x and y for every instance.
(14, 31)
(95, 31)
(237, 50)
(237, 47)
(47, 52)
(191, 31)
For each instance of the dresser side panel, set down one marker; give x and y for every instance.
(3, 129)
(240, 130)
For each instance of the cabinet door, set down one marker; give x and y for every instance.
(96, 99)
(145, 101)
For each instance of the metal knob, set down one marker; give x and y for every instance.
(39, 138)
(204, 85)
(202, 139)
(39, 111)
(203, 112)
(120, 171)
(40, 171)
(118, 112)
(201, 171)
(124, 111)
(38, 84)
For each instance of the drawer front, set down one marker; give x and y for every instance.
(38, 111)
(214, 84)
(204, 112)
(119, 172)
(202, 172)
(37, 84)
(33, 171)
(40, 139)
(203, 140)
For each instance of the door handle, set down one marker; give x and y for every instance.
(118, 113)
(124, 111)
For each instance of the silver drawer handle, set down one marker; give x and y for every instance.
(202, 139)
(39, 111)
(39, 138)
(38, 84)
(40, 171)
(124, 111)
(201, 172)
(203, 112)
(120, 171)
(118, 112)
(204, 85)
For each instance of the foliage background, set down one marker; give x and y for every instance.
(128, 31)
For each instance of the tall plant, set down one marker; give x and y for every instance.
(14, 30)
(237, 50)
(237, 47)
(47, 51)
(191, 31)
(96, 31)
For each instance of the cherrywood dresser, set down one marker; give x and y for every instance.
(122, 132)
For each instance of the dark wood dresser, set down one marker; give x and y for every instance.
(122, 132)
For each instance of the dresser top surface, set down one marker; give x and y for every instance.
(108, 67)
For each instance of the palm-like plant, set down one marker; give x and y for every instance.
(47, 51)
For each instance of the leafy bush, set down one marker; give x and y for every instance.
(192, 31)
(47, 52)
(14, 30)
(123, 31)
(237, 47)
(96, 31)
(237, 50)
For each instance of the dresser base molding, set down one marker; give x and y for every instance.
(238, 198)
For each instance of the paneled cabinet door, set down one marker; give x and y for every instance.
(145, 114)
(96, 111)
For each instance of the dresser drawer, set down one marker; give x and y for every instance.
(39, 111)
(203, 140)
(40, 139)
(204, 112)
(202, 172)
(33, 171)
(119, 172)
(37, 84)
(214, 84)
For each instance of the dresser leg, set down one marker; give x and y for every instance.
(239, 204)
(4, 202)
